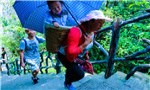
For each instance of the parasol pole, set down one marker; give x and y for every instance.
(66, 6)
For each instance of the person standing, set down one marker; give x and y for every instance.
(4, 55)
(77, 44)
(3, 58)
(29, 53)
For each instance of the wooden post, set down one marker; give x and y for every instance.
(113, 48)
(42, 60)
(17, 66)
(8, 69)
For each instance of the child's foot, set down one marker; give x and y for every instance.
(35, 80)
(69, 86)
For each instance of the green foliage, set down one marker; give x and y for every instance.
(130, 35)
(12, 31)
(99, 68)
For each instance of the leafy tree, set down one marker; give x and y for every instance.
(130, 36)
(12, 30)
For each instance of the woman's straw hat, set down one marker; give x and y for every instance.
(96, 14)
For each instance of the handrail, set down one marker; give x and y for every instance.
(147, 49)
(18, 70)
(114, 43)
(113, 48)
(101, 48)
(123, 23)
(136, 68)
(111, 59)
(15, 64)
(121, 60)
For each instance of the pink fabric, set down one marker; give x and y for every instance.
(73, 41)
(85, 65)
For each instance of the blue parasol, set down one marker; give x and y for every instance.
(32, 13)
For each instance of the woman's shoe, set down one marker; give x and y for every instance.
(69, 86)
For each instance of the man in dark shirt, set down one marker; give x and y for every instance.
(3, 55)
(3, 58)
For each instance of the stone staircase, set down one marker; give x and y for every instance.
(117, 81)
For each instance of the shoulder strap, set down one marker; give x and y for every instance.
(37, 39)
(25, 43)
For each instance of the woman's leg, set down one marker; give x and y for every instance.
(73, 71)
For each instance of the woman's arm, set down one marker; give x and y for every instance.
(87, 41)
(74, 48)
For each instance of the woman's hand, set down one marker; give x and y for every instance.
(86, 56)
(88, 39)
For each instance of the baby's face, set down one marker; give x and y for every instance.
(56, 8)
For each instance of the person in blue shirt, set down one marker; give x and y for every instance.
(29, 53)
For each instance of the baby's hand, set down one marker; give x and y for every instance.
(56, 24)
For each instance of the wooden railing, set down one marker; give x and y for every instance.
(111, 59)
(12, 67)
(45, 64)
(136, 68)
(110, 56)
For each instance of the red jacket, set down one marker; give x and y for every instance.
(74, 40)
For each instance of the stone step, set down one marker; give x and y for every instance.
(139, 81)
(24, 82)
(93, 83)
(144, 78)
(46, 82)
(89, 82)
(85, 79)
(8, 79)
(115, 82)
